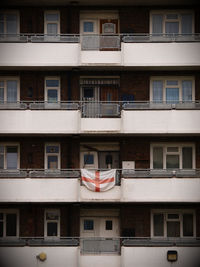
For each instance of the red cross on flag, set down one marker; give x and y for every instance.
(98, 181)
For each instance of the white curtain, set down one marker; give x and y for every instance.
(157, 24)
(11, 91)
(157, 91)
(187, 90)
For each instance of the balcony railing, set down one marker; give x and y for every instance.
(99, 41)
(97, 109)
(100, 245)
(121, 173)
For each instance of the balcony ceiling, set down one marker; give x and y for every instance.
(98, 2)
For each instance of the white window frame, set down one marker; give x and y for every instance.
(89, 166)
(172, 78)
(46, 222)
(164, 13)
(10, 211)
(16, 12)
(165, 212)
(5, 145)
(165, 153)
(10, 78)
(52, 154)
(95, 29)
(54, 88)
(53, 21)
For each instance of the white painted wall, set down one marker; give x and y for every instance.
(39, 121)
(104, 260)
(39, 54)
(160, 190)
(100, 125)
(157, 257)
(161, 54)
(161, 121)
(95, 58)
(26, 256)
(112, 195)
(39, 190)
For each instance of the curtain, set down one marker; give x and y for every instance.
(187, 90)
(186, 22)
(11, 20)
(52, 28)
(157, 24)
(172, 95)
(157, 91)
(171, 27)
(11, 91)
(12, 157)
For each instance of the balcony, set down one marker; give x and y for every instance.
(138, 50)
(115, 117)
(131, 186)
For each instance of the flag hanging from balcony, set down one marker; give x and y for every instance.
(98, 181)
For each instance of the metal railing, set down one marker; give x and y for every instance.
(99, 41)
(121, 173)
(100, 245)
(97, 109)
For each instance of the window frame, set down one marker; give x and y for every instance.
(5, 145)
(46, 222)
(95, 24)
(10, 211)
(89, 166)
(46, 88)
(165, 212)
(10, 78)
(16, 12)
(180, 79)
(166, 12)
(53, 154)
(53, 21)
(165, 153)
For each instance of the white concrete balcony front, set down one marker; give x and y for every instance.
(135, 186)
(141, 50)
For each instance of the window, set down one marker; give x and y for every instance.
(9, 226)
(89, 160)
(52, 157)
(52, 23)
(88, 225)
(52, 89)
(9, 22)
(171, 22)
(9, 156)
(52, 223)
(173, 223)
(172, 89)
(172, 156)
(9, 89)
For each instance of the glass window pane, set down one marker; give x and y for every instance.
(11, 157)
(1, 27)
(157, 91)
(11, 23)
(52, 162)
(171, 27)
(172, 149)
(52, 96)
(187, 157)
(158, 224)
(157, 158)
(52, 149)
(172, 16)
(169, 82)
(52, 17)
(172, 161)
(52, 28)
(157, 24)
(52, 83)
(1, 16)
(186, 23)
(88, 225)
(1, 229)
(187, 224)
(88, 26)
(52, 215)
(88, 159)
(187, 90)
(11, 91)
(172, 95)
(173, 216)
(108, 28)
(1, 161)
(11, 224)
(88, 92)
(1, 94)
(108, 225)
(1, 216)
(173, 229)
(52, 229)
(1, 149)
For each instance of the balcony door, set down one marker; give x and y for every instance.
(108, 31)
